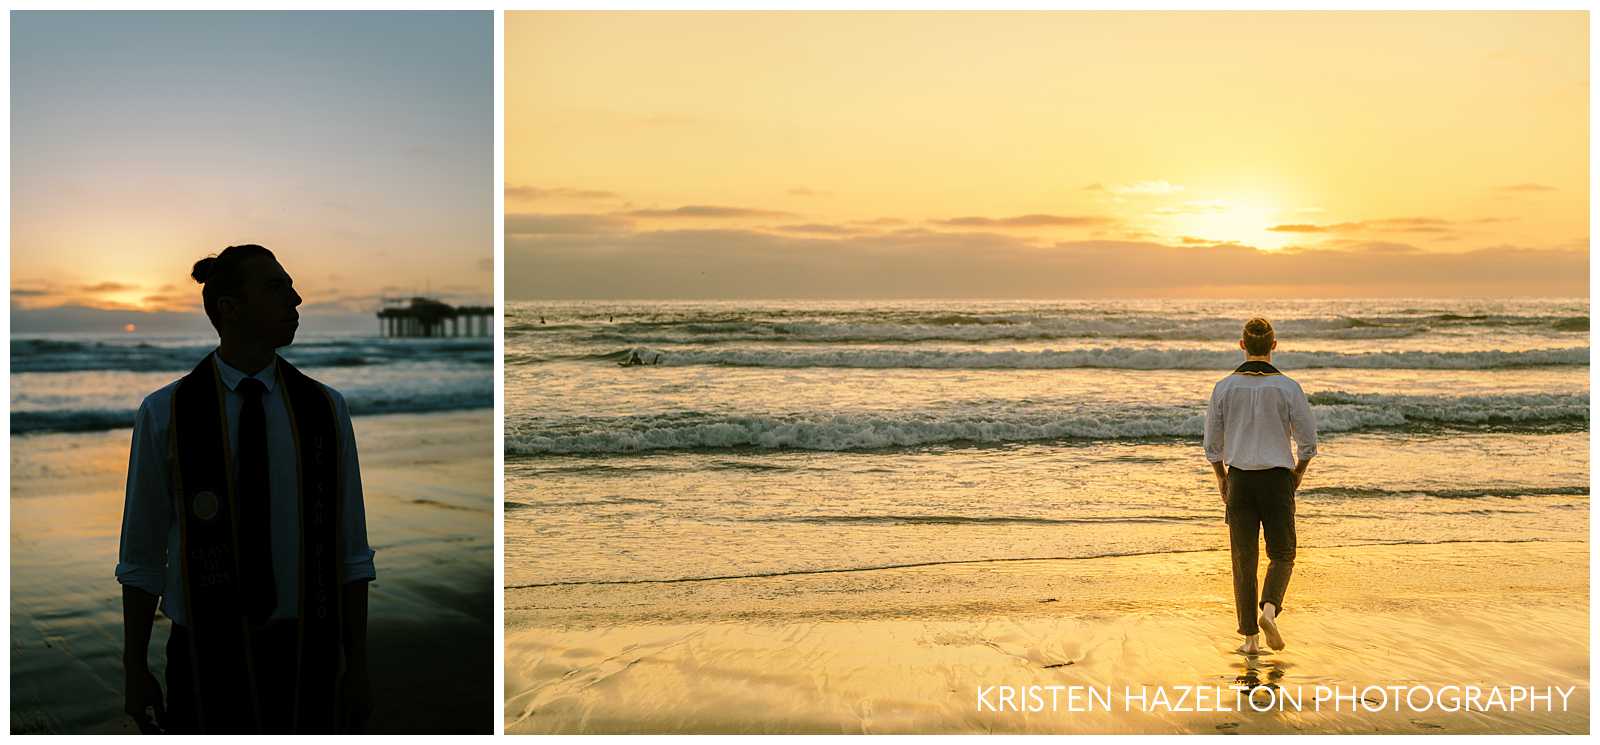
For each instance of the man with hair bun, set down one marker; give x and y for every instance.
(244, 518)
(1252, 416)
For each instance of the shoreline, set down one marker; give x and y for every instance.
(965, 562)
(906, 650)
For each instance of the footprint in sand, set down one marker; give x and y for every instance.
(1425, 725)
(1228, 725)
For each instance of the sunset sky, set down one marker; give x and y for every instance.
(866, 155)
(357, 146)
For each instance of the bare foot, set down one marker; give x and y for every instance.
(1269, 627)
(1249, 646)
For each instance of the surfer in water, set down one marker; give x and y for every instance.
(635, 359)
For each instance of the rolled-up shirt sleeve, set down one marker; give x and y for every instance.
(1214, 414)
(1303, 425)
(146, 510)
(358, 564)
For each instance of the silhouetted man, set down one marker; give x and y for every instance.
(1252, 416)
(244, 517)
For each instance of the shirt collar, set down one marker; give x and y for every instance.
(1257, 367)
(231, 377)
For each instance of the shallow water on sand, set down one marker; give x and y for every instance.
(908, 650)
(428, 485)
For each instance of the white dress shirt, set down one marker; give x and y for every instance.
(150, 558)
(1251, 419)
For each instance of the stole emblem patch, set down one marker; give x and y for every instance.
(205, 505)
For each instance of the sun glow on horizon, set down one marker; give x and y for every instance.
(374, 173)
(1244, 222)
(842, 141)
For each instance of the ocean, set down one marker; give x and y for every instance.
(94, 382)
(773, 438)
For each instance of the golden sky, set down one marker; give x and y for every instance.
(979, 154)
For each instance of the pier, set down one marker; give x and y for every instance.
(421, 317)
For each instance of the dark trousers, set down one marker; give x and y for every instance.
(1260, 501)
(275, 659)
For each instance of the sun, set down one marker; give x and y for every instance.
(1242, 221)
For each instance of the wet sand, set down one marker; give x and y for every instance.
(907, 650)
(428, 481)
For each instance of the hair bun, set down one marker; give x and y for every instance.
(203, 269)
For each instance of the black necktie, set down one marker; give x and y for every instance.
(257, 591)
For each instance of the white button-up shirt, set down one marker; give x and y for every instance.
(1251, 419)
(150, 557)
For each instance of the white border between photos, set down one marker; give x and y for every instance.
(499, 527)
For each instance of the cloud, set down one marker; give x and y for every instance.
(819, 229)
(529, 193)
(1025, 221)
(108, 320)
(1392, 224)
(108, 287)
(1384, 247)
(1148, 188)
(1420, 229)
(171, 302)
(918, 263)
(708, 211)
(879, 221)
(1524, 188)
(801, 191)
(1095, 187)
(38, 295)
(1409, 221)
(1197, 206)
(1298, 228)
(531, 223)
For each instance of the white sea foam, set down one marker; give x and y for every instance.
(1335, 412)
(1130, 358)
(716, 324)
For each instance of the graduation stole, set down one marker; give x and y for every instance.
(1256, 367)
(207, 509)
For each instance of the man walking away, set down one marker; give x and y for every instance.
(1252, 416)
